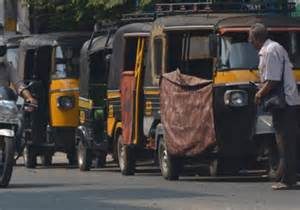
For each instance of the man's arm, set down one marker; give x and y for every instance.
(19, 85)
(264, 90)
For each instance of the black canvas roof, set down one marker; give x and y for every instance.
(118, 50)
(268, 20)
(52, 39)
(98, 44)
(14, 40)
(221, 20)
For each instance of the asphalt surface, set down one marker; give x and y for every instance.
(62, 187)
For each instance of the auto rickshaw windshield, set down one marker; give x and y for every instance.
(66, 62)
(190, 52)
(237, 53)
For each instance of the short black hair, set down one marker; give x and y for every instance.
(259, 32)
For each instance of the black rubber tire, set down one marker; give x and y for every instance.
(84, 157)
(169, 166)
(72, 158)
(29, 157)
(227, 166)
(213, 168)
(100, 161)
(7, 168)
(126, 158)
(46, 160)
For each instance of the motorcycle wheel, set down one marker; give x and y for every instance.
(7, 152)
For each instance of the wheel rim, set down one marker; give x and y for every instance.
(25, 155)
(122, 157)
(80, 155)
(2, 158)
(164, 161)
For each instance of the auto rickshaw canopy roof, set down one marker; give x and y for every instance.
(54, 39)
(119, 49)
(37, 41)
(14, 39)
(98, 44)
(224, 20)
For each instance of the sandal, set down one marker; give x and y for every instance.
(281, 186)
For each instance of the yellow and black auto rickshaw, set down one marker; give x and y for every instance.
(91, 135)
(51, 63)
(208, 113)
(126, 70)
(187, 90)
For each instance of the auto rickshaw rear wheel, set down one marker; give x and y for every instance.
(100, 161)
(29, 157)
(84, 157)
(7, 152)
(46, 160)
(224, 167)
(126, 158)
(169, 166)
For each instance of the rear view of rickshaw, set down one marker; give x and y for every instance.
(91, 135)
(207, 110)
(51, 63)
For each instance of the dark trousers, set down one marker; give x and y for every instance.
(286, 129)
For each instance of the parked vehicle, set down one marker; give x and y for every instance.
(207, 110)
(51, 62)
(135, 124)
(91, 135)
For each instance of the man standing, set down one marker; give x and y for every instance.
(276, 69)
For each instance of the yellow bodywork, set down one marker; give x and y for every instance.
(242, 76)
(111, 120)
(60, 117)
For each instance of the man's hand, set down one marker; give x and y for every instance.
(257, 98)
(32, 101)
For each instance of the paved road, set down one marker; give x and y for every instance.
(59, 187)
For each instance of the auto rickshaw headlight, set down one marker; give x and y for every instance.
(66, 102)
(236, 98)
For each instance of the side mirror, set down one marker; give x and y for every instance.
(213, 45)
(97, 27)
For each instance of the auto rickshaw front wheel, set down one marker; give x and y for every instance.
(29, 157)
(169, 166)
(84, 157)
(7, 152)
(126, 158)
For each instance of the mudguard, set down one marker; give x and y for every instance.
(7, 132)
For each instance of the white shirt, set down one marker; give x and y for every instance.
(272, 57)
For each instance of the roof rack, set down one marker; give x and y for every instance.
(137, 17)
(204, 7)
(208, 6)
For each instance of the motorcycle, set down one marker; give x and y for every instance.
(11, 127)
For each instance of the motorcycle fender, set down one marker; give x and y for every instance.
(7, 132)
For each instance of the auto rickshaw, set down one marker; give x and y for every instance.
(127, 64)
(208, 69)
(51, 62)
(91, 135)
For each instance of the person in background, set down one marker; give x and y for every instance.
(9, 76)
(275, 69)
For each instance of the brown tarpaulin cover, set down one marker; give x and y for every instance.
(187, 113)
